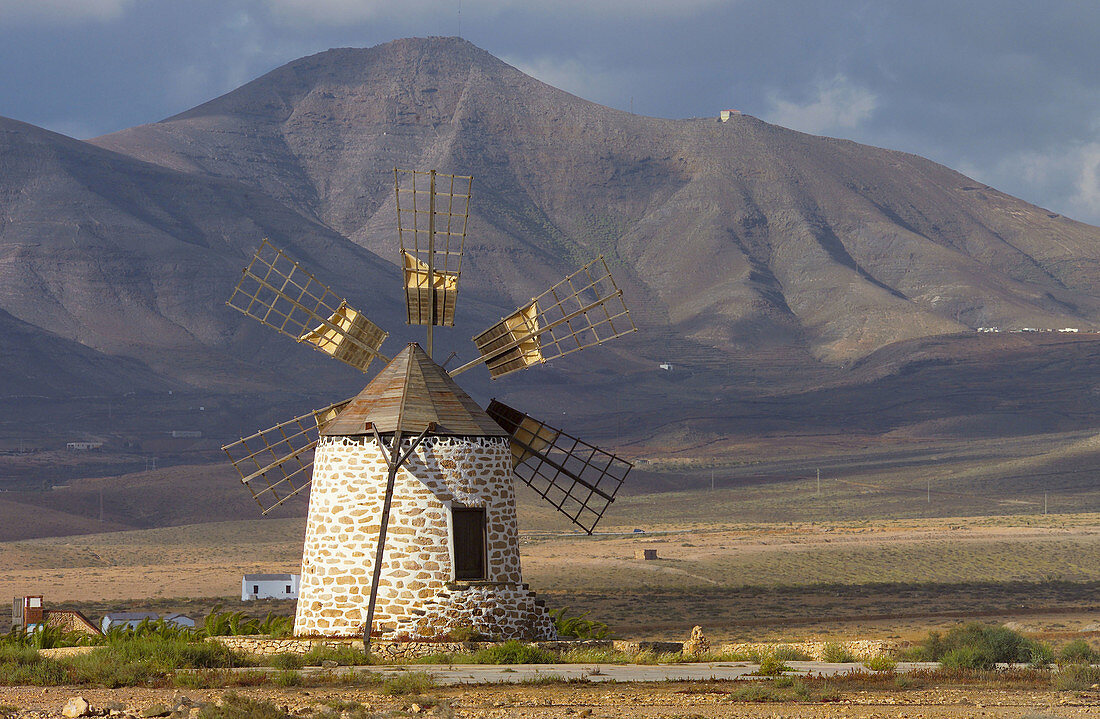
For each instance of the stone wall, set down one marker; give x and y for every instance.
(414, 600)
(859, 649)
(382, 650)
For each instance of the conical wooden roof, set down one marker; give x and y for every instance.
(409, 393)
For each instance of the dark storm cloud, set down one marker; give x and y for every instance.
(1005, 91)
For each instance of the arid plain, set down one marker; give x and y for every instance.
(892, 541)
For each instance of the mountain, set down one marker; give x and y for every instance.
(822, 245)
(788, 278)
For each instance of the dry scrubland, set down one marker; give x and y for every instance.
(899, 540)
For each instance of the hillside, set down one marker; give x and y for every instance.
(799, 285)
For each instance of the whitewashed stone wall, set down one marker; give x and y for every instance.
(417, 595)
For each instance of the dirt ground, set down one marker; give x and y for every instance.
(674, 700)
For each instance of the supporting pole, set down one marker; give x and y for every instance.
(391, 476)
(394, 461)
(431, 261)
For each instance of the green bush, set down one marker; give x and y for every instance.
(145, 659)
(979, 646)
(754, 693)
(771, 664)
(880, 664)
(407, 683)
(1078, 652)
(578, 626)
(288, 678)
(287, 661)
(22, 665)
(512, 652)
(836, 654)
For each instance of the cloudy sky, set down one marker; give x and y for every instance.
(1006, 91)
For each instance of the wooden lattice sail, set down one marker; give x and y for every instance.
(275, 463)
(578, 478)
(433, 210)
(280, 293)
(584, 309)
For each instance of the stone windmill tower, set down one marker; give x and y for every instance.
(411, 531)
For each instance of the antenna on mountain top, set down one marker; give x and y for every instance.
(441, 453)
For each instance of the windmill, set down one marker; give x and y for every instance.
(412, 456)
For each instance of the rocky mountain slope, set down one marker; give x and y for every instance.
(784, 275)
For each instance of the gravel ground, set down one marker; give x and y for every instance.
(683, 700)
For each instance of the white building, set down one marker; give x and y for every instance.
(83, 446)
(269, 586)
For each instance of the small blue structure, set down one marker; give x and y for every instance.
(131, 620)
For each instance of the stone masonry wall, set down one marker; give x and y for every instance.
(348, 490)
(502, 611)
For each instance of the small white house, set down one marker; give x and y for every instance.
(269, 586)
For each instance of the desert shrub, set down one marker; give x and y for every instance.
(407, 683)
(7, 710)
(966, 657)
(754, 693)
(22, 665)
(1075, 677)
(578, 626)
(880, 664)
(346, 655)
(978, 646)
(288, 678)
(235, 706)
(541, 679)
(512, 652)
(772, 665)
(46, 638)
(145, 659)
(592, 655)
(1078, 652)
(287, 661)
(836, 654)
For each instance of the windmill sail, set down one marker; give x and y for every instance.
(584, 309)
(280, 293)
(579, 479)
(275, 463)
(433, 211)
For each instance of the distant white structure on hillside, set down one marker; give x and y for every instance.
(269, 586)
(666, 366)
(725, 115)
(83, 446)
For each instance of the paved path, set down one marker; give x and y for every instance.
(448, 674)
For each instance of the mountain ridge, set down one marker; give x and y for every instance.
(761, 262)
